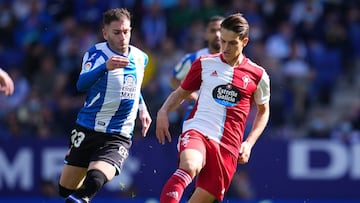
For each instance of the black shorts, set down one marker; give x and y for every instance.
(87, 146)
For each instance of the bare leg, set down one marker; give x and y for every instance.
(108, 169)
(201, 196)
(72, 177)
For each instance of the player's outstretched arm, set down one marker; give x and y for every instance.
(174, 83)
(260, 122)
(144, 116)
(162, 122)
(145, 119)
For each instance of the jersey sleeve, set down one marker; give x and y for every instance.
(262, 93)
(183, 67)
(93, 67)
(146, 60)
(142, 105)
(192, 80)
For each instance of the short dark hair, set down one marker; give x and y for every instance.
(215, 18)
(115, 14)
(236, 23)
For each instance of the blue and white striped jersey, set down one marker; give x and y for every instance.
(113, 97)
(183, 67)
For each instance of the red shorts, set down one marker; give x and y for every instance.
(219, 164)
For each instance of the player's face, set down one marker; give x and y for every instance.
(212, 36)
(232, 46)
(118, 34)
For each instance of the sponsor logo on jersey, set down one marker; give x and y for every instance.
(129, 89)
(226, 95)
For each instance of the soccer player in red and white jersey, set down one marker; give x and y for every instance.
(212, 142)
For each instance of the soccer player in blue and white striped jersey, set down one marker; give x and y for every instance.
(111, 74)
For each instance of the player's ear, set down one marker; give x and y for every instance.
(104, 34)
(245, 41)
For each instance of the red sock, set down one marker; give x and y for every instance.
(174, 187)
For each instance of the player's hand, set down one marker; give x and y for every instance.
(146, 120)
(6, 83)
(162, 127)
(117, 61)
(244, 153)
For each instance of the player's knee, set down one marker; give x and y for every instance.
(64, 192)
(191, 167)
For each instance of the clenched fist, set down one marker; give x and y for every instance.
(117, 61)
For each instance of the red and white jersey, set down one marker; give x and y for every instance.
(225, 97)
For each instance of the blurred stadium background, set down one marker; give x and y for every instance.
(309, 153)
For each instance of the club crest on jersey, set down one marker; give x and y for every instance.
(246, 80)
(226, 95)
